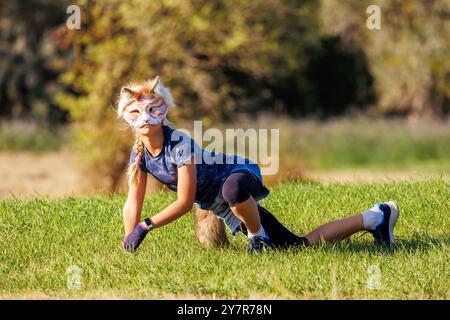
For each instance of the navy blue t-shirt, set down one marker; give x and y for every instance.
(212, 168)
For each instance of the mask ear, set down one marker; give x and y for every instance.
(150, 88)
(127, 92)
(154, 84)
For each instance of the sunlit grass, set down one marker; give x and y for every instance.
(41, 238)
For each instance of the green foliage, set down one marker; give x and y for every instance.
(408, 57)
(30, 60)
(212, 55)
(86, 232)
(219, 57)
(198, 48)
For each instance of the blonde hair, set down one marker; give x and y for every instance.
(129, 94)
(133, 168)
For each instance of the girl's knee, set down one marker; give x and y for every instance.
(235, 189)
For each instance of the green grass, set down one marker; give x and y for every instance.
(365, 143)
(360, 143)
(41, 238)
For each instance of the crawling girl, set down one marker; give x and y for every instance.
(228, 185)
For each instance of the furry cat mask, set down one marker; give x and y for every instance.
(146, 104)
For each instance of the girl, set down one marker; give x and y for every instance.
(228, 185)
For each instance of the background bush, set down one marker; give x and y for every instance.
(308, 58)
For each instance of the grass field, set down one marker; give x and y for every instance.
(42, 239)
(383, 144)
(29, 136)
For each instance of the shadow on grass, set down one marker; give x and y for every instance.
(415, 243)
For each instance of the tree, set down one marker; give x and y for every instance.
(218, 57)
(29, 61)
(408, 56)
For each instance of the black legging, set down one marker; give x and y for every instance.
(237, 188)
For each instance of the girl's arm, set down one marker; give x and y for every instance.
(187, 181)
(133, 205)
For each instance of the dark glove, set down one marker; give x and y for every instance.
(134, 239)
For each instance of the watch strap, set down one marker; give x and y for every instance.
(149, 223)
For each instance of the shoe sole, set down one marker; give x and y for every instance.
(395, 212)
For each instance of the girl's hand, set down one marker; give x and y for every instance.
(134, 239)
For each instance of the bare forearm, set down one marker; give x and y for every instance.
(171, 213)
(131, 217)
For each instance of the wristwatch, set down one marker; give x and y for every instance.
(149, 223)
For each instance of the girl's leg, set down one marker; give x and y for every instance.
(280, 237)
(238, 191)
(247, 212)
(336, 230)
(379, 220)
(330, 232)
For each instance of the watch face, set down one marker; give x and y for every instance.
(149, 223)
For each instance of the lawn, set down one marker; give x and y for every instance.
(45, 242)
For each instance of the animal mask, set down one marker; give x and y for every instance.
(144, 105)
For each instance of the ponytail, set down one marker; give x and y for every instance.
(134, 168)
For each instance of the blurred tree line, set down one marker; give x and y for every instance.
(219, 57)
(409, 57)
(30, 61)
